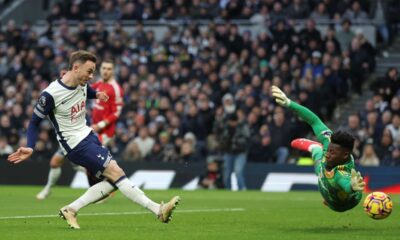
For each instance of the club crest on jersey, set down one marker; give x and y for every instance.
(42, 101)
(78, 111)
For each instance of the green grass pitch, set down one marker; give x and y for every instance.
(202, 215)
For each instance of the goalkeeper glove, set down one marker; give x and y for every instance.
(357, 183)
(305, 144)
(280, 97)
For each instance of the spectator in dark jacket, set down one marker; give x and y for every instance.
(233, 136)
(360, 65)
(281, 135)
(298, 9)
(389, 85)
(260, 149)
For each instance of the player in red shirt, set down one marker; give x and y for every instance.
(104, 118)
(106, 114)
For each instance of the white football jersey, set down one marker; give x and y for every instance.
(66, 109)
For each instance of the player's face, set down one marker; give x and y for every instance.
(336, 155)
(106, 71)
(85, 72)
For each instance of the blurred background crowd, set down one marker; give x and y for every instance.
(203, 90)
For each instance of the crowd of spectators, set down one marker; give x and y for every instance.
(383, 13)
(377, 126)
(183, 93)
(274, 10)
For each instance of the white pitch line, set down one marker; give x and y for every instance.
(128, 213)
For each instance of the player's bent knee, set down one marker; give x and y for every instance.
(113, 172)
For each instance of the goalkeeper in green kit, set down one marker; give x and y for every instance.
(339, 183)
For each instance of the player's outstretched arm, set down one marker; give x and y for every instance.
(41, 110)
(304, 113)
(22, 154)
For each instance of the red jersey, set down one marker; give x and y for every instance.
(108, 111)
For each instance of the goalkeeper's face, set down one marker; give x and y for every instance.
(336, 155)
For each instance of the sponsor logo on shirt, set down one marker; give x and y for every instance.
(78, 112)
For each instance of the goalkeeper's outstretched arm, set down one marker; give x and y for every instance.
(304, 113)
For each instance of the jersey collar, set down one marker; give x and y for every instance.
(63, 84)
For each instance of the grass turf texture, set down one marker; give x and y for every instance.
(201, 215)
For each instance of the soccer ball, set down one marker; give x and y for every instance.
(378, 205)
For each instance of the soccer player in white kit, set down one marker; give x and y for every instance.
(104, 118)
(64, 103)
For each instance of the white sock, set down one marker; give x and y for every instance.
(137, 195)
(54, 175)
(93, 194)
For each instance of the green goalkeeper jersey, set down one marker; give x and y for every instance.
(334, 185)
